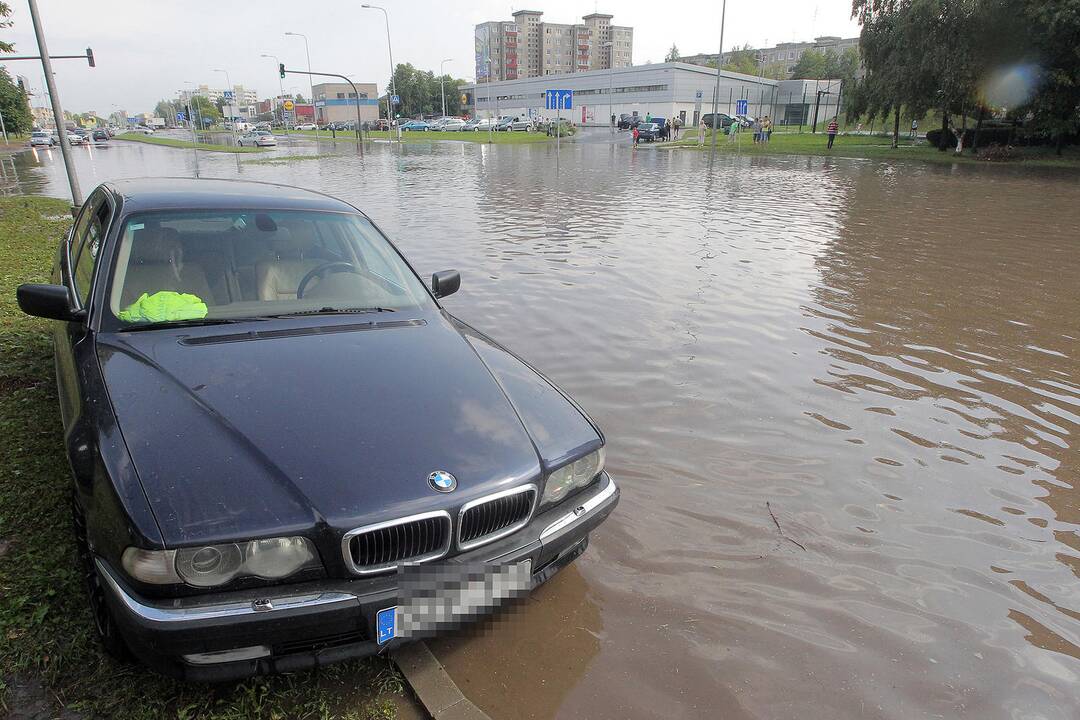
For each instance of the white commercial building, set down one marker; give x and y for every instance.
(664, 90)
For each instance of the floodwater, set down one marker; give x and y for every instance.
(841, 398)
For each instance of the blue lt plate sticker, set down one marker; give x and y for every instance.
(385, 626)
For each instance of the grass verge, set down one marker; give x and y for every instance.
(47, 646)
(502, 138)
(184, 144)
(864, 146)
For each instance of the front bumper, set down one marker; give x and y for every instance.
(294, 627)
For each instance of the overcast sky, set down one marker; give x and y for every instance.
(147, 49)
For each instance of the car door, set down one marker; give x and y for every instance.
(73, 340)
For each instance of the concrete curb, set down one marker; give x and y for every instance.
(438, 693)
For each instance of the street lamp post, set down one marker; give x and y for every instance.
(611, 71)
(281, 92)
(719, 65)
(390, 51)
(442, 89)
(491, 120)
(232, 90)
(311, 86)
(58, 111)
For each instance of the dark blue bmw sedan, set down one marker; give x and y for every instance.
(285, 452)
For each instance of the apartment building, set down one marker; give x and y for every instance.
(242, 96)
(785, 54)
(528, 47)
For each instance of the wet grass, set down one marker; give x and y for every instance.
(183, 144)
(863, 146)
(47, 648)
(500, 138)
(287, 159)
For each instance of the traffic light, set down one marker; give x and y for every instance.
(281, 69)
(90, 57)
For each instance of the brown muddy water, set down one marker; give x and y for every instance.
(841, 398)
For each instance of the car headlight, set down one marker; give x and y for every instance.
(573, 476)
(213, 565)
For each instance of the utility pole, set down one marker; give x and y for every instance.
(719, 65)
(390, 51)
(58, 111)
(442, 89)
(611, 70)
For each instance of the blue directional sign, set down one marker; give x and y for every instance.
(180, 117)
(740, 107)
(559, 100)
(396, 99)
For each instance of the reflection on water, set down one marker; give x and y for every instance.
(886, 354)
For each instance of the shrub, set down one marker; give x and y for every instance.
(998, 153)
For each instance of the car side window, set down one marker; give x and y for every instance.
(91, 231)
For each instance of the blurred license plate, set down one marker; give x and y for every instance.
(440, 597)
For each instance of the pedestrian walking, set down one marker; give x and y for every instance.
(636, 135)
(833, 128)
(677, 125)
(733, 130)
(757, 130)
(767, 128)
(648, 117)
(701, 132)
(613, 120)
(914, 129)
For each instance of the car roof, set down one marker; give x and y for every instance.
(140, 194)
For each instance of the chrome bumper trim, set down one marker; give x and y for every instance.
(580, 511)
(237, 609)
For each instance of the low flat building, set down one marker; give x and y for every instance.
(665, 90)
(337, 102)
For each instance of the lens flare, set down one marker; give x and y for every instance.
(1010, 86)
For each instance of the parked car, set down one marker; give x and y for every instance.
(628, 122)
(503, 124)
(520, 124)
(382, 124)
(142, 129)
(438, 123)
(723, 120)
(480, 124)
(745, 120)
(414, 126)
(42, 138)
(263, 126)
(453, 125)
(257, 138)
(648, 131)
(307, 126)
(292, 425)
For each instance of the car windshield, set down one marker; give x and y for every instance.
(222, 265)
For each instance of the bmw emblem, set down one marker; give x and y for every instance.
(442, 481)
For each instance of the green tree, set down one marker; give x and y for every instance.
(298, 98)
(5, 13)
(743, 60)
(672, 54)
(166, 109)
(1053, 29)
(14, 106)
(204, 110)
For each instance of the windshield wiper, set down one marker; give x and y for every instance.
(334, 311)
(193, 322)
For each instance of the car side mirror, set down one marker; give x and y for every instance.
(445, 282)
(47, 301)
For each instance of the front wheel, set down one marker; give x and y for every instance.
(104, 624)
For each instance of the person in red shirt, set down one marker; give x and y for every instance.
(636, 134)
(832, 130)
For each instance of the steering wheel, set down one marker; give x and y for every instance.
(330, 267)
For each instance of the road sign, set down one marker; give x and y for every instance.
(180, 117)
(740, 107)
(227, 95)
(396, 99)
(288, 105)
(559, 100)
(697, 95)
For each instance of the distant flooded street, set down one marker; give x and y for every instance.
(841, 398)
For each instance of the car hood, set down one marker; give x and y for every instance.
(288, 428)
